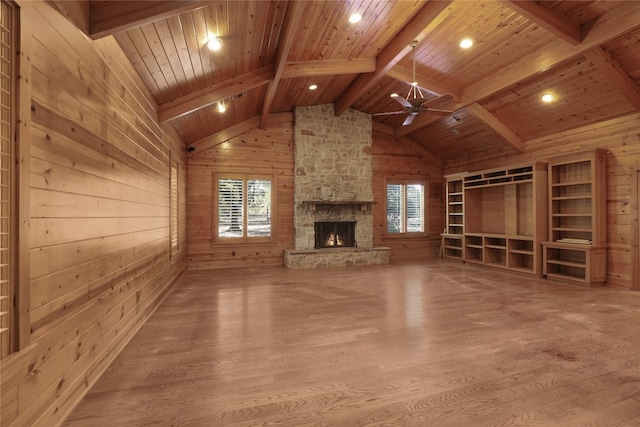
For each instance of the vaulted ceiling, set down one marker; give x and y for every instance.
(587, 53)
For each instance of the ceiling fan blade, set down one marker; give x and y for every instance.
(389, 113)
(409, 119)
(402, 101)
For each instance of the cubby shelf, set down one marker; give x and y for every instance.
(576, 250)
(498, 217)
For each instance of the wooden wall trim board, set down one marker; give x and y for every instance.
(94, 249)
(635, 228)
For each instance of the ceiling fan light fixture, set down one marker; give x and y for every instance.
(355, 18)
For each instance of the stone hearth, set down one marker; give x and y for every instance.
(333, 183)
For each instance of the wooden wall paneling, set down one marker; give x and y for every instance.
(392, 158)
(255, 150)
(95, 241)
(635, 228)
(98, 86)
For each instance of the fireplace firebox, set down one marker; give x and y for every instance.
(335, 234)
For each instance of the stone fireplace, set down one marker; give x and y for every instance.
(333, 184)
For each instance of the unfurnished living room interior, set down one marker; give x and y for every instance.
(319, 213)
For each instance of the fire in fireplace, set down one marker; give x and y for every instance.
(335, 234)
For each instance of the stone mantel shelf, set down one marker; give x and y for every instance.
(313, 203)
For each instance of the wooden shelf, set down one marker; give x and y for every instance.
(454, 231)
(577, 189)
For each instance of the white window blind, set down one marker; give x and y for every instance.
(230, 207)
(244, 207)
(405, 207)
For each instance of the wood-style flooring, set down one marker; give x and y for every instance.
(437, 343)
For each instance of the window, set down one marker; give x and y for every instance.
(244, 208)
(8, 47)
(405, 207)
(175, 208)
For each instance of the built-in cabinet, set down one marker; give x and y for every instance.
(576, 249)
(503, 215)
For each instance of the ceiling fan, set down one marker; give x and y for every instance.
(415, 102)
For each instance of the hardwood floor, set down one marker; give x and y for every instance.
(432, 344)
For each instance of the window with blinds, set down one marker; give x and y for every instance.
(405, 207)
(244, 208)
(175, 208)
(8, 41)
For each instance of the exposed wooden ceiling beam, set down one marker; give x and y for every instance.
(616, 74)
(294, 17)
(613, 24)
(108, 17)
(430, 85)
(328, 67)
(548, 18)
(498, 127)
(222, 136)
(233, 131)
(418, 27)
(209, 96)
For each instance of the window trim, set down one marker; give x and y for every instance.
(405, 182)
(245, 177)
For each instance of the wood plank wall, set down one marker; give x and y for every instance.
(255, 151)
(99, 240)
(621, 137)
(396, 159)
(271, 151)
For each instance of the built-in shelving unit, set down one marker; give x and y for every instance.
(505, 217)
(453, 236)
(577, 247)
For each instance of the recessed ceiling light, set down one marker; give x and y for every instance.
(221, 107)
(313, 87)
(394, 95)
(214, 43)
(455, 132)
(466, 43)
(548, 97)
(355, 18)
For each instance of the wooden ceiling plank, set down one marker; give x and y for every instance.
(209, 96)
(107, 19)
(328, 67)
(548, 18)
(500, 128)
(616, 74)
(293, 19)
(422, 151)
(234, 131)
(613, 24)
(402, 74)
(222, 136)
(416, 29)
